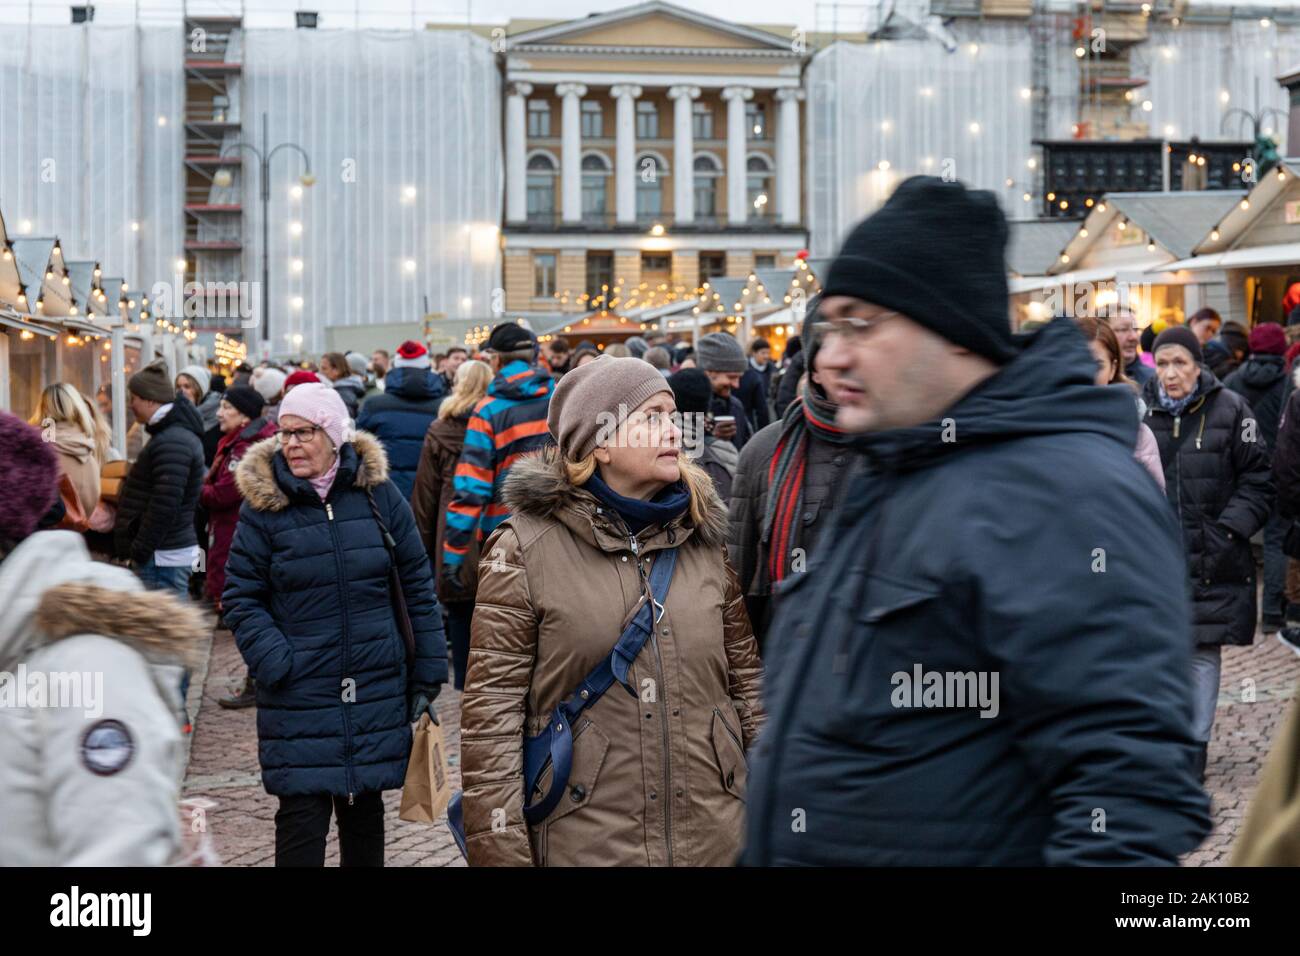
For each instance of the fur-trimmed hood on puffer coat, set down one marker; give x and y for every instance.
(657, 779)
(90, 743)
(307, 598)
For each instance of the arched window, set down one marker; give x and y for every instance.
(595, 174)
(541, 186)
(758, 181)
(650, 172)
(707, 173)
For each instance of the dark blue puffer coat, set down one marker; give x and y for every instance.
(307, 598)
(399, 416)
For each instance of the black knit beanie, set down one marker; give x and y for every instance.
(936, 253)
(1179, 335)
(245, 399)
(691, 391)
(152, 383)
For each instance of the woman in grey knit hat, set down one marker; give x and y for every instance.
(658, 765)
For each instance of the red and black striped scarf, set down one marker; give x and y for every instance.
(810, 414)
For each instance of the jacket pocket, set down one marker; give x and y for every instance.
(1228, 560)
(590, 746)
(732, 766)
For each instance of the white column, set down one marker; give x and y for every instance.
(787, 155)
(571, 150)
(737, 195)
(517, 152)
(625, 96)
(683, 98)
(117, 368)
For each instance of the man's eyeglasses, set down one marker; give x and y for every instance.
(853, 329)
(303, 435)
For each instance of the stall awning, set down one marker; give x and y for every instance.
(14, 321)
(84, 328)
(1122, 271)
(1280, 254)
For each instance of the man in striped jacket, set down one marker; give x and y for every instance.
(509, 422)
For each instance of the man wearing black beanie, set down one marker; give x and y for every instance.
(974, 663)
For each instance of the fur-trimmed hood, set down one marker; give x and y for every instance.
(51, 589)
(255, 476)
(538, 485)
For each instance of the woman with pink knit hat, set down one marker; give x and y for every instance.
(323, 535)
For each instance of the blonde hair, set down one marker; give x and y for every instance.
(472, 380)
(698, 483)
(62, 404)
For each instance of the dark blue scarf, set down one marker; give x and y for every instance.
(661, 509)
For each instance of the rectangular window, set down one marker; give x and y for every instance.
(702, 121)
(593, 126)
(655, 262)
(706, 197)
(756, 121)
(600, 272)
(543, 274)
(593, 196)
(712, 265)
(647, 120)
(764, 262)
(649, 200)
(539, 118)
(541, 196)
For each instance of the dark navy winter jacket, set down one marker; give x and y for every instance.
(307, 598)
(399, 416)
(1014, 536)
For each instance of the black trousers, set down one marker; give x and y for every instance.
(303, 822)
(459, 615)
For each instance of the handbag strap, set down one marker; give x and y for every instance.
(395, 584)
(554, 745)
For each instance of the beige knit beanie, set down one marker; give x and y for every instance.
(599, 394)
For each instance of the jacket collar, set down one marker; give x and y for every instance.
(538, 485)
(266, 483)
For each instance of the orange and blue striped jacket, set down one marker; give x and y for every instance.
(510, 421)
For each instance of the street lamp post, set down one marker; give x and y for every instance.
(307, 179)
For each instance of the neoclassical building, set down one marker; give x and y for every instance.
(648, 150)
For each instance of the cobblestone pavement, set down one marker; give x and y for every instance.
(1257, 686)
(223, 768)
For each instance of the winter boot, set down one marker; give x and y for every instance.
(247, 697)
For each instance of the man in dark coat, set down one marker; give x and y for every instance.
(978, 671)
(756, 385)
(719, 356)
(809, 460)
(155, 514)
(1262, 382)
(400, 415)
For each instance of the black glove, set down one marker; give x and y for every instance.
(420, 699)
(451, 578)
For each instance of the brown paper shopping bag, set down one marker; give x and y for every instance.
(427, 789)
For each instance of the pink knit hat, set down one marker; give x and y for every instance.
(29, 471)
(320, 405)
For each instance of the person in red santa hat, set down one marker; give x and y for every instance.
(401, 414)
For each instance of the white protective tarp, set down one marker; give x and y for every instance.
(1191, 67)
(85, 154)
(911, 104)
(377, 112)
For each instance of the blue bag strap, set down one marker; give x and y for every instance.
(554, 745)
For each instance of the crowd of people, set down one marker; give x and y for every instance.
(885, 599)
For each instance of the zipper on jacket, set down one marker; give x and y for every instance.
(732, 734)
(1177, 420)
(663, 708)
(1199, 432)
(347, 650)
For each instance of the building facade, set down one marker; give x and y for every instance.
(647, 150)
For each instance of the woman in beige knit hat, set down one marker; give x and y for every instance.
(658, 749)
